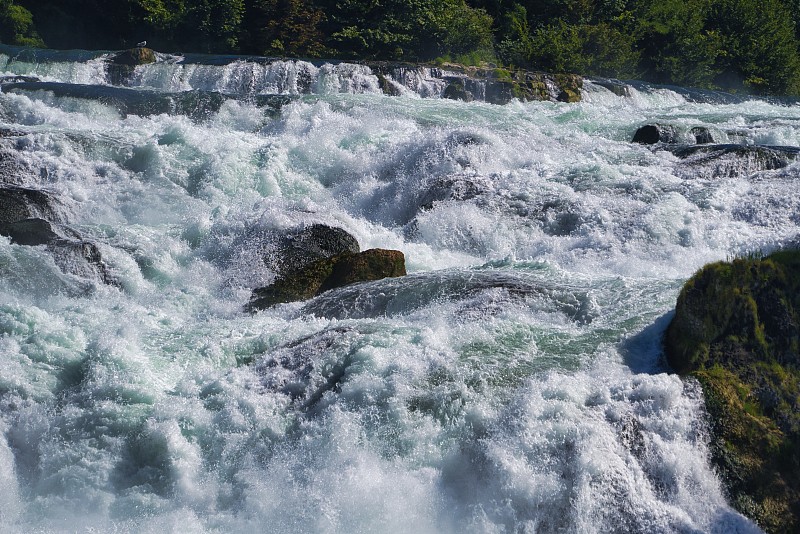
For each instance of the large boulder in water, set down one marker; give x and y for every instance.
(134, 56)
(737, 331)
(302, 247)
(651, 134)
(72, 254)
(17, 203)
(329, 273)
(122, 64)
(732, 160)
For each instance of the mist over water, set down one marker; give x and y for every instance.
(513, 381)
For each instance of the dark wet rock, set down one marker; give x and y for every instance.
(455, 90)
(196, 105)
(17, 203)
(631, 436)
(71, 253)
(304, 246)
(329, 273)
(615, 86)
(387, 87)
(737, 331)
(729, 160)
(451, 188)
(81, 258)
(651, 134)
(12, 171)
(280, 251)
(373, 264)
(134, 57)
(8, 132)
(36, 231)
(17, 79)
(702, 135)
(121, 65)
(501, 86)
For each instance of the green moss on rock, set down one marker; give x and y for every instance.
(736, 330)
(329, 273)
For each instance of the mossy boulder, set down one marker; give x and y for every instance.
(134, 56)
(456, 90)
(329, 273)
(122, 64)
(737, 331)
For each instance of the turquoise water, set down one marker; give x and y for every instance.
(513, 381)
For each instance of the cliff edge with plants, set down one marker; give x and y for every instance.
(737, 331)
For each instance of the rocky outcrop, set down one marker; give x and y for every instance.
(29, 217)
(650, 134)
(122, 64)
(730, 160)
(501, 86)
(737, 331)
(134, 56)
(302, 247)
(329, 273)
(702, 135)
(17, 203)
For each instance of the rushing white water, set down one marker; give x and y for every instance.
(512, 381)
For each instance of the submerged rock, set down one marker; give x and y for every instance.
(730, 160)
(457, 187)
(737, 331)
(615, 86)
(702, 135)
(329, 273)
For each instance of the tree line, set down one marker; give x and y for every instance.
(738, 45)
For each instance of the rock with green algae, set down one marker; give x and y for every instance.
(737, 331)
(329, 273)
(122, 64)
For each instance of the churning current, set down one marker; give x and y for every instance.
(512, 382)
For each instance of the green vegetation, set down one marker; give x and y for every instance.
(737, 330)
(16, 25)
(736, 45)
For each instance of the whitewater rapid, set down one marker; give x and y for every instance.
(513, 381)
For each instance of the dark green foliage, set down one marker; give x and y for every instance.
(737, 330)
(598, 49)
(406, 29)
(760, 44)
(737, 45)
(16, 25)
(199, 25)
(283, 27)
(676, 43)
